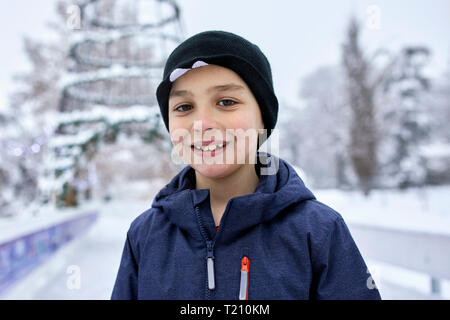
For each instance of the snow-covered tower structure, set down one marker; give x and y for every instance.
(117, 53)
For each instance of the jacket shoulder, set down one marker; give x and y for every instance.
(142, 219)
(339, 270)
(317, 214)
(142, 225)
(316, 220)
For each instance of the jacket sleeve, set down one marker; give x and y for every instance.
(339, 271)
(126, 285)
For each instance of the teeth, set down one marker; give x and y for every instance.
(210, 147)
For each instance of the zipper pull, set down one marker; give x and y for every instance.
(245, 269)
(210, 265)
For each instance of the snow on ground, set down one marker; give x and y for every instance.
(397, 283)
(422, 209)
(96, 254)
(29, 221)
(419, 209)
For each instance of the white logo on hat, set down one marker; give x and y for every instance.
(178, 72)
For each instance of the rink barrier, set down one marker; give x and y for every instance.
(20, 255)
(420, 251)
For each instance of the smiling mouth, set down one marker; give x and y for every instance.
(209, 148)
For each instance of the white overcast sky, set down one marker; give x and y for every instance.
(296, 36)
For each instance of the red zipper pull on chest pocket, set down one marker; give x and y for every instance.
(245, 270)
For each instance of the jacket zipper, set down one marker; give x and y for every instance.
(210, 282)
(210, 265)
(245, 270)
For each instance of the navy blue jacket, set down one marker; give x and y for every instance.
(276, 243)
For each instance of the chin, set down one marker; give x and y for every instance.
(215, 171)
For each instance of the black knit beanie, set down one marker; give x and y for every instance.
(230, 51)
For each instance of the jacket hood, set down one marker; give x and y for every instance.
(274, 193)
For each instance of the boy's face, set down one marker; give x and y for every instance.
(213, 103)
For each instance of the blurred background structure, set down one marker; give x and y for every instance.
(364, 91)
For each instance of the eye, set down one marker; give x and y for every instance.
(184, 106)
(227, 102)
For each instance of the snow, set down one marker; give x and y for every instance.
(80, 138)
(96, 254)
(418, 209)
(436, 150)
(396, 283)
(61, 163)
(37, 219)
(135, 113)
(115, 71)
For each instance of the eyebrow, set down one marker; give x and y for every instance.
(219, 88)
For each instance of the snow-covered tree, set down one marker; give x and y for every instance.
(26, 123)
(406, 119)
(109, 88)
(435, 151)
(439, 101)
(322, 129)
(18, 170)
(92, 82)
(360, 92)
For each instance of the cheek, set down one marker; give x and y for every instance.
(173, 123)
(245, 129)
(178, 133)
(250, 119)
(238, 119)
(177, 123)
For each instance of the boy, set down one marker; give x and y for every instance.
(224, 227)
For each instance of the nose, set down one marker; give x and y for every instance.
(205, 120)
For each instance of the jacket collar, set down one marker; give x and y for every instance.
(274, 193)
